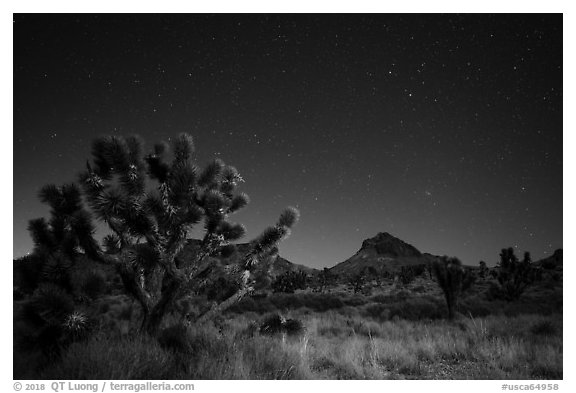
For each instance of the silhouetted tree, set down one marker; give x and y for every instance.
(57, 240)
(324, 280)
(453, 279)
(513, 276)
(150, 227)
(357, 281)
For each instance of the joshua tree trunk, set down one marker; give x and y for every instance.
(152, 321)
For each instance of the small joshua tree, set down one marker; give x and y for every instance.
(357, 282)
(324, 280)
(453, 279)
(483, 271)
(150, 227)
(56, 241)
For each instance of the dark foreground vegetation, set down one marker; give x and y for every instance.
(399, 332)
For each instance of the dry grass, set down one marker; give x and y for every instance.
(333, 347)
(393, 334)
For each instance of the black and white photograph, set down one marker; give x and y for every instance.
(287, 196)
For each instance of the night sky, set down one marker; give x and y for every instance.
(444, 130)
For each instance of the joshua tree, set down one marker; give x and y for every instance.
(323, 280)
(150, 227)
(514, 276)
(453, 279)
(357, 281)
(56, 240)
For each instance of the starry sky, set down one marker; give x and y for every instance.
(443, 130)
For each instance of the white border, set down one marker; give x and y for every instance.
(300, 6)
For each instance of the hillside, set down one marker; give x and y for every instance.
(382, 252)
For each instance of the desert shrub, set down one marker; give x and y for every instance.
(275, 324)
(294, 327)
(272, 324)
(289, 282)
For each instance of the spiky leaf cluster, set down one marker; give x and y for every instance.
(120, 189)
(268, 241)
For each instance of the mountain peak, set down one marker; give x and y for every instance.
(389, 245)
(383, 251)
